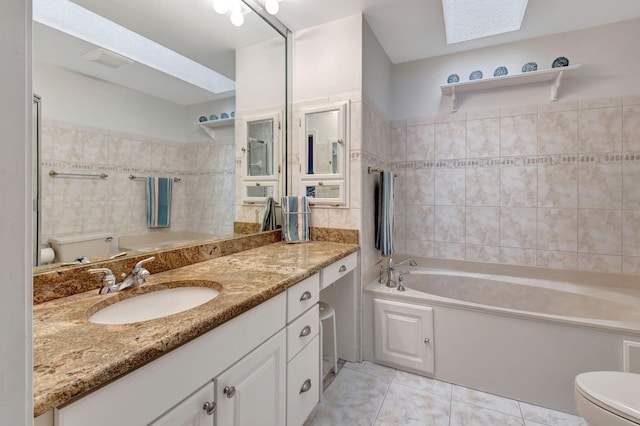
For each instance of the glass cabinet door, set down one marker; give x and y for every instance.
(262, 163)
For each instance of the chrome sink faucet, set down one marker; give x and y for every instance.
(137, 277)
(391, 267)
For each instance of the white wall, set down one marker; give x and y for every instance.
(76, 98)
(327, 59)
(608, 55)
(16, 398)
(376, 75)
(261, 75)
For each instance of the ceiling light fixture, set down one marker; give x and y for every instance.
(221, 6)
(236, 9)
(272, 6)
(237, 18)
(470, 19)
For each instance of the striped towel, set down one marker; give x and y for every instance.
(295, 218)
(269, 218)
(159, 202)
(384, 223)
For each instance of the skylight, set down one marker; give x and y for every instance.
(79, 22)
(471, 19)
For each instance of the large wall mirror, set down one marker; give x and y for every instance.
(112, 118)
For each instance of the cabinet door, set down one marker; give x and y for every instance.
(252, 391)
(403, 335)
(192, 411)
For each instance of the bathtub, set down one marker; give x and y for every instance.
(520, 337)
(159, 239)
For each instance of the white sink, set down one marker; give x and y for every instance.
(154, 305)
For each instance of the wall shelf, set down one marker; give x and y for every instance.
(209, 126)
(554, 75)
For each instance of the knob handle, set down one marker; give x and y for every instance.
(305, 386)
(209, 408)
(305, 296)
(230, 391)
(427, 340)
(305, 331)
(342, 268)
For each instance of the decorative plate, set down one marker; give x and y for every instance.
(213, 117)
(500, 71)
(453, 78)
(476, 75)
(202, 118)
(530, 66)
(560, 61)
(224, 115)
(233, 113)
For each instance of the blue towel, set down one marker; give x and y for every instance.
(269, 218)
(385, 224)
(159, 202)
(295, 218)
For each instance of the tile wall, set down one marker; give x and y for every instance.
(202, 201)
(552, 185)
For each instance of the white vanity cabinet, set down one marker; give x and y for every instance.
(403, 335)
(262, 367)
(252, 392)
(197, 410)
(149, 393)
(303, 350)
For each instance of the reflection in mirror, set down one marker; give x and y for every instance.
(260, 148)
(260, 191)
(108, 113)
(323, 191)
(324, 138)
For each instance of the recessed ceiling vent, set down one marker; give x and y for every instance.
(107, 58)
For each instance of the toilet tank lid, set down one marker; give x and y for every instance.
(615, 390)
(74, 238)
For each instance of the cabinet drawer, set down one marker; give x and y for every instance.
(337, 270)
(302, 296)
(302, 331)
(303, 388)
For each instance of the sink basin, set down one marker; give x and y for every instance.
(156, 304)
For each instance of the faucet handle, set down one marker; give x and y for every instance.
(138, 266)
(401, 281)
(109, 279)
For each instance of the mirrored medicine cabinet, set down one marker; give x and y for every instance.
(261, 157)
(325, 146)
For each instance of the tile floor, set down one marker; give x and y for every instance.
(371, 394)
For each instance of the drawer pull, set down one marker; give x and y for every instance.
(230, 391)
(305, 296)
(305, 386)
(342, 268)
(210, 408)
(305, 331)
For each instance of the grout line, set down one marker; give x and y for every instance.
(375, 418)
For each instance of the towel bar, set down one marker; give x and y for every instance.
(53, 173)
(371, 170)
(132, 177)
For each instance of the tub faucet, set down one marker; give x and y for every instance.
(393, 266)
(135, 278)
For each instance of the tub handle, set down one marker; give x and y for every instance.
(427, 340)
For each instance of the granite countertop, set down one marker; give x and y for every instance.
(73, 356)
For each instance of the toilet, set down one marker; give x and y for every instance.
(608, 398)
(68, 248)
